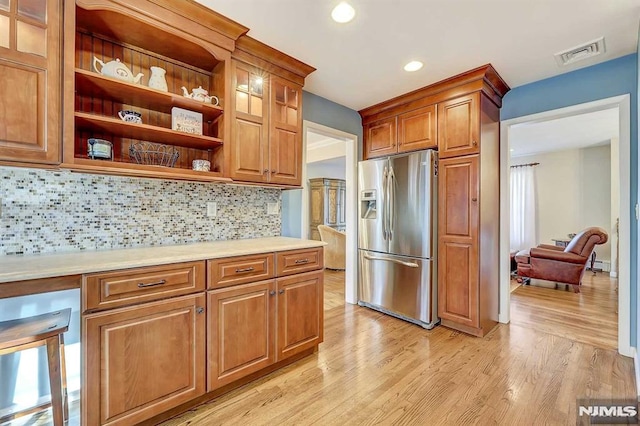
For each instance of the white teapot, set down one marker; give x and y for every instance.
(116, 69)
(201, 95)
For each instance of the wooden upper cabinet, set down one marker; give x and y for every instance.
(266, 127)
(285, 159)
(143, 360)
(417, 129)
(409, 131)
(30, 81)
(279, 152)
(459, 126)
(249, 123)
(380, 138)
(458, 236)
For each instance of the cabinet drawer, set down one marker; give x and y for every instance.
(239, 270)
(106, 290)
(296, 261)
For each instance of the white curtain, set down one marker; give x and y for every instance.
(523, 208)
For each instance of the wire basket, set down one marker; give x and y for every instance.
(154, 154)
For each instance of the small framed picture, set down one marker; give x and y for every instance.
(186, 121)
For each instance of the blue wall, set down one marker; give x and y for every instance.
(638, 235)
(605, 80)
(330, 114)
(321, 111)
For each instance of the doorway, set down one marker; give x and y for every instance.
(338, 150)
(620, 155)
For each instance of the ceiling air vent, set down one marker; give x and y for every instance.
(582, 52)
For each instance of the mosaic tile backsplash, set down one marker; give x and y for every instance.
(54, 211)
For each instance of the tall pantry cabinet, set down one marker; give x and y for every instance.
(467, 112)
(469, 214)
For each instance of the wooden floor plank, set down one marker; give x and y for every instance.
(589, 316)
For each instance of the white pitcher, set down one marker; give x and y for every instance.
(157, 80)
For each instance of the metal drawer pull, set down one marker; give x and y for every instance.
(143, 285)
(249, 269)
(281, 291)
(199, 310)
(301, 261)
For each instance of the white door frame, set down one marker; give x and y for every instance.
(351, 273)
(624, 254)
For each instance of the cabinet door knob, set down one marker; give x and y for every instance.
(265, 171)
(273, 171)
(474, 143)
(199, 310)
(281, 291)
(474, 199)
(272, 293)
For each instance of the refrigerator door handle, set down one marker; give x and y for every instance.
(387, 259)
(385, 228)
(392, 200)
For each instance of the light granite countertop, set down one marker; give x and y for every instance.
(28, 267)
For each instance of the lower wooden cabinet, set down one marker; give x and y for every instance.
(300, 313)
(143, 360)
(252, 326)
(241, 331)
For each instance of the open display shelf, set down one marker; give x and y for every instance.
(117, 127)
(92, 84)
(142, 170)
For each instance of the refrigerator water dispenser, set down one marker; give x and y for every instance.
(368, 204)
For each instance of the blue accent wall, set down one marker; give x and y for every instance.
(637, 236)
(321, 111)
(612, 78)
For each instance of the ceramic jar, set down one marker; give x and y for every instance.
(157, 80)
(201, 165)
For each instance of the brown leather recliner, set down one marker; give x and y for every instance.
(566, 266)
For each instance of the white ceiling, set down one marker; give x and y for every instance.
(578, 131)
(360, 63)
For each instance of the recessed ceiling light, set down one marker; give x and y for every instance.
(413, 66)
(343, 12)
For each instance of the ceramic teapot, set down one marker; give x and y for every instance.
(116, 69)
(201, 95)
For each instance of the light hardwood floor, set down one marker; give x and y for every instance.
(375, 369)
(588, 317)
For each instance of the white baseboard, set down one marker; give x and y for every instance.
(604, 265)
(636, 363)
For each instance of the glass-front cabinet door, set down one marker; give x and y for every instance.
(30, 79)
(285, 132)
(249, 153)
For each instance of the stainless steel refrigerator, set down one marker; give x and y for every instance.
(397, 236)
